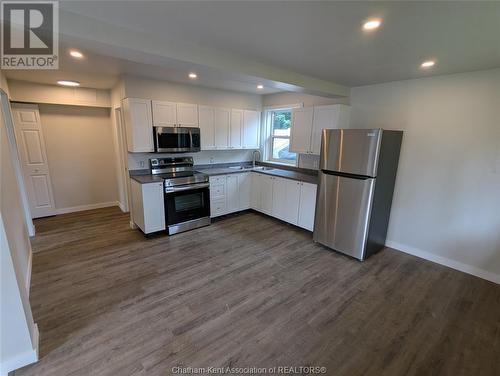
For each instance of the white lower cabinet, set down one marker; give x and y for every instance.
(266, 194)
(229, 193)
(307, 205)
(289, 200)
(148, 211)
(245, 191)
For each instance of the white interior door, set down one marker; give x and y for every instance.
(31, 146)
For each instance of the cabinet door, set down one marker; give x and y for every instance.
(207, 127)
(244, 190)
(300, 137)
(256, 188)
(138, 124)
(232, 196)
(325, 117)
(164, 114)
(222, 125)
(235, 129)
(154, 209)
(307, 206)
(251, 129)
(266, 194)
(292, 199)
(187, 115)
(279, 198)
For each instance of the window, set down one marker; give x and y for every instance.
(280, 123)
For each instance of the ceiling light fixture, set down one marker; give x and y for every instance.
(372, 24)
(76, 54)
(68, 83)
(260, 87)
(428, 64)
(192, 75)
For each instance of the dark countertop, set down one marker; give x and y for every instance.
(293, 175)
(144, 177)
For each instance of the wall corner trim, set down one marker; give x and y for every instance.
(469, 269)
(23, 359)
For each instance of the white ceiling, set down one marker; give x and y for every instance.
(102, 72)
(323, 39)
(321, 42)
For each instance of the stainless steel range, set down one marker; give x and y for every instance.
(186, 193)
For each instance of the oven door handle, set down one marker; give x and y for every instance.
(186, 188)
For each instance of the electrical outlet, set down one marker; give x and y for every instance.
(211, 160)
(141, 163)
(316, 164)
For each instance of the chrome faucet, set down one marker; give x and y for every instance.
(253, 156)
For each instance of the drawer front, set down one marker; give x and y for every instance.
(217, 190)
(217, 207)
(221, 179)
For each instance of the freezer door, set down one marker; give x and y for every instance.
(351, 151)
(343, 211)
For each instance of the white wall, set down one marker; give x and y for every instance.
(18, 332)
(447, 198)
(80, 152)
(139, 87)
(202, 157)
(23, 91)
(279, 99)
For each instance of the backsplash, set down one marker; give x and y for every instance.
(309, 161)
(138, 161)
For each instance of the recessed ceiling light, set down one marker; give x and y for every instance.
(260, 87)
(428, 64)
(192, 75)
(372, 24)
(76, 54)
(68, 83)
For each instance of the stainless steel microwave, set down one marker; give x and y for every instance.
(176, 139)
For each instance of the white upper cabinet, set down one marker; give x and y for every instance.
(300, 137)
(236, 127)
(251, 129)
(308, 122)
(327, 117)
(222, 126)
(164, 114)
(138, 122)
(187, 115)
(206, 119)
(171, 114)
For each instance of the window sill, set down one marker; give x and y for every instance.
(281, 163)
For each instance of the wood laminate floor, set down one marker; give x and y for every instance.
(248, 291)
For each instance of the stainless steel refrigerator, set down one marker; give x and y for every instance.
(356, 183)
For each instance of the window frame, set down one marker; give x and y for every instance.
(270, 136)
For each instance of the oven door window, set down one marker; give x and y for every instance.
(187, 205)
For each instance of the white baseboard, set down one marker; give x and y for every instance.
(122, 207)
(86, 207)
(469, 269)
